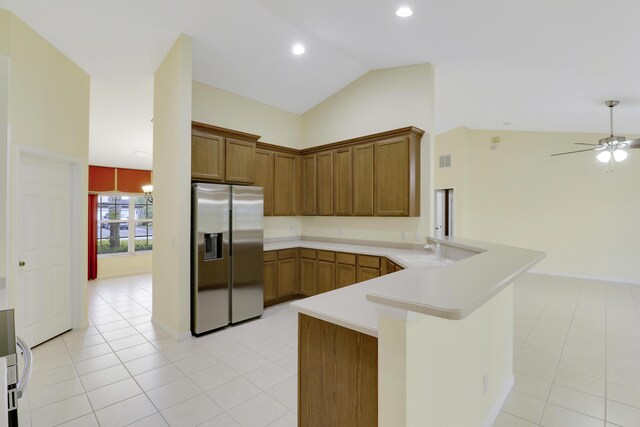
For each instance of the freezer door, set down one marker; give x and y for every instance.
(210, 257)
(246, 253)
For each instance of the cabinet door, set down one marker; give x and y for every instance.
(387, 266)
(324, 163)
(309, 185)
(286, 277)
(207, 157)
(343, 182)
(264, 178)
(345, 275)
(270, 276)
(308, 276)
(367, 273)
(363, 179)
(326, 276)
(240, 161)
(392, 177)
(284, 184)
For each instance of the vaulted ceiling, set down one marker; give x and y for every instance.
(538, 65)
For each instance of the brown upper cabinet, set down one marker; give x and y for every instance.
(393, 186)
(363, 180)
(324, 166)
(373, 175)
(240, 161)
(284, 184)
(222, 155)
(207, 156)
(309, 185)
(343, 182)
(264, 178)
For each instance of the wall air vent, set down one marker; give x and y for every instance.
(445, 161)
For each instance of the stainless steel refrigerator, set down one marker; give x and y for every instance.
(226, 255)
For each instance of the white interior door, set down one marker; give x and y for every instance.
(43, 294)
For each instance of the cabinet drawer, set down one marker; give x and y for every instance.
(269, 256)
(286, 253)
(326, 256)
(369, 261)
(343, 258)
(307, 253)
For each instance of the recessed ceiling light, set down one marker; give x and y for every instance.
(298, 49)
(404, 12)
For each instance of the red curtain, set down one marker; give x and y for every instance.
(93, 236)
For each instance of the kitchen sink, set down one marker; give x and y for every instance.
(424, 260)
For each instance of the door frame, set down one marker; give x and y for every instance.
(435, 207)
(78, 268)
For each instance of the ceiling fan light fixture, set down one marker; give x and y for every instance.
(619, 155)
(604, 156)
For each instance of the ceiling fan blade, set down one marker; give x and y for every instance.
(633, 143)
(584, 143)
(578, 151)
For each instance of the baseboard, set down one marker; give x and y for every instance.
(577, 276)
(179, 336)
(502, 398)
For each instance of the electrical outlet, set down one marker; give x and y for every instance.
(418, 236)
(404, 235)
(340, 231)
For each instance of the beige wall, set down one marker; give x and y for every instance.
(4, 94)
(428, 365)
(47, 108)
(220, 108)
(380, 100)
(171, 195)
(114, 266)
(570, 207)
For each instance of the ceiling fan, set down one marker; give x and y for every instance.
(612, 147)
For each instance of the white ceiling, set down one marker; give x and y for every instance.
(539, 65)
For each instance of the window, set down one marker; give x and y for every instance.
(125, 224)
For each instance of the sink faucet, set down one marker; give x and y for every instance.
(434, 245)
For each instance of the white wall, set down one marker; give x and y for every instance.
(570, 207)
(380, 100)
(171, 190)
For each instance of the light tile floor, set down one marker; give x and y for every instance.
(576, 363)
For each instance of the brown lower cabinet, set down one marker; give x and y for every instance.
(280, 275)
(308, 272)
(326, 278)
(303, 272)
(346, 270)
(337, 375)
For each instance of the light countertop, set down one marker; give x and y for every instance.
(451, 291)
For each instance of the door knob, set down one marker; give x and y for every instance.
(21, 263)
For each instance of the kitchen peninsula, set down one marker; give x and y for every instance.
(430, 345)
